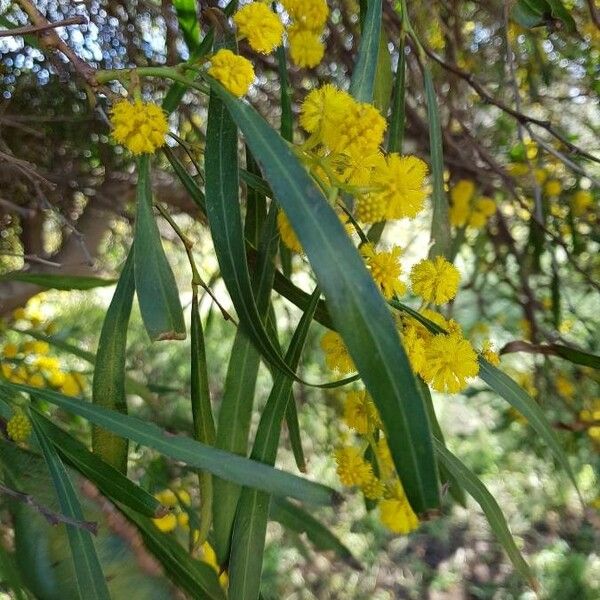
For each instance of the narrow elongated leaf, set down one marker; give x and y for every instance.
(110, 482)
(154, 281)
(358, 310)
(382, 88)
(58, 282)
(293, 426)
(223, 464)
(440, 225)
(190, 185)
(195, 577)
(250, 527)
(363, 76)
(88, 572)
(474, 487)
(292, 517)
(187, 15)
(398, 116)
(108, 386)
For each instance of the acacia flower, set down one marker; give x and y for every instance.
(337, 357)
(483, 209)
(260, 26)
(18, 427)
(287, 234)
(435, 280)
(385, 268)
(373, 488)
(360, 413)
(326, 103)
(490, 354)
(553, 187)
(449, 361)
(310, 14)
(460, 202)
(581, 201)
(306, 47)
(139, 126)
(233, 71)
(352, 469)
(396, 513)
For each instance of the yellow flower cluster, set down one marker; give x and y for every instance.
(139, 126)
(234, 72)
(18, 427)
(260, 26)
(305, 31)
(385, 268)
(369, 465)
(435, 280)
(465, 209)
(178, 515)
(345, 138)
(581, 202)
(591, 415)
(337, 357)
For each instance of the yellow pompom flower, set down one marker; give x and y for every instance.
(352, 469)
(385, 268)
(435, 280)
(490, 354)
(287, 234)
(10, 350)
(373, 488)
(553, 187)
(306, 47)
(581, 201)
(18, 427)
(384, 459)
(310, 14)
(234, 72)
(260, 26)
(139, 126)
(398, 190)
(326, 103)
(355, 165)
(460, 202)
(360, 413)
(449, 361)
(337, 357)
(396, 513)
(414, 345)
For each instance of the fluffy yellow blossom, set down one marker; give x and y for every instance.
(435, 280)
(460, 202)
(398, 190)
(260, 26)
(483, 209)
(355, 166)
(73, 384)
(18, 427)
(449, 325)
(287, 234)
(581, 201)
(352, 469)
(326, 103)
(414, 344)
(385, 268)
(306, 47)
(337, 357)
(384, 459)
(360, 412)
(310, 14)
(490, 354)
(10, 350)
(139, 126)
(449, 361)
(373, 488)
(553, 187)
(396, 513)
(232, 71)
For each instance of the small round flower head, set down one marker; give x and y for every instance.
(326, 103)
(287, 234)
(352, 469)
(139, 126)
(234, 72)
(306, 47)
(449, 361)
(18, 427)
(384, 457)
(260, 26)
(385, 268)
(414, 344)
(360, 413)
(553, 187)
(490, 354)
(310, 14)
(355, 166)
(581, 201)
(399, 190)
(10, 350)
(337, 357)
(435, 280)
(483, 209)
(460, 202)
(373, 488)
(167, 523)
(396, 513)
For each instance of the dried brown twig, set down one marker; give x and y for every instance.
(37, 29)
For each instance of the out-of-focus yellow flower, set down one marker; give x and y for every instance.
(581, 201)
(306, 47)
(553, 187)
(337, 357)
(396, 513)
(10, 350)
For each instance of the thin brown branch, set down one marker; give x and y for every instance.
(36, 29)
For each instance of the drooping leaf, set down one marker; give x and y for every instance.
(397, 115)
(55, 281)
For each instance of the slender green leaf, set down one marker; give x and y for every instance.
(363, 76)
(440, 225)
(88, 572)
(382, 88)
(195, 577)
(187, 15)
(293, 426)
(58, 282)
(471, 483)
(108, 386)
(250, 527)
(358, 310)
(110, 482)
(154, 281)
(398, 117)
(190, 185)
(292, 517)
(223, 464)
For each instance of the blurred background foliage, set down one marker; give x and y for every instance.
(530, 274)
